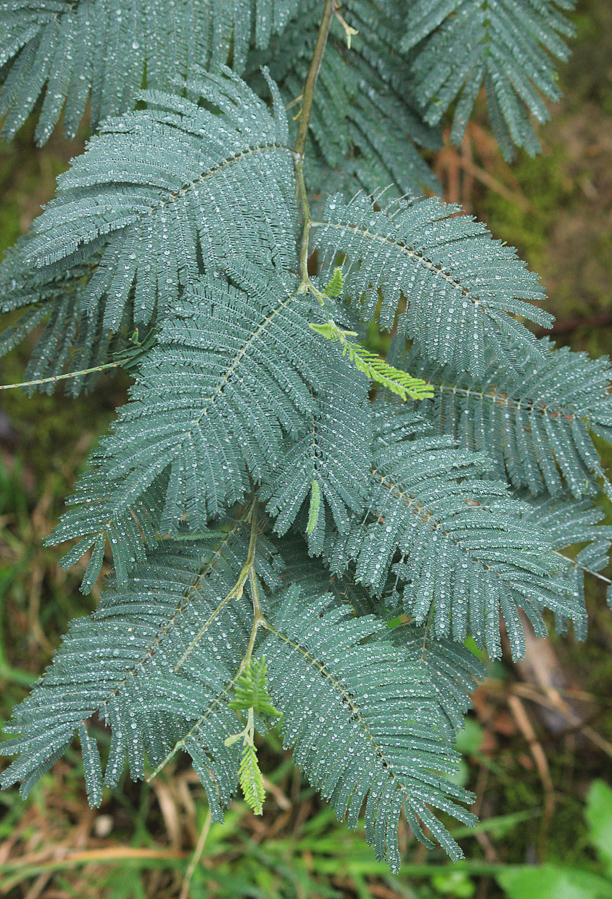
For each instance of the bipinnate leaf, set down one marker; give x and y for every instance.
(461, 287)
(362, 718)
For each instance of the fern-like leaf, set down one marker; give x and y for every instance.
(373, 367)
(366, 127)
(251, 779)
(330, 461)
(456, 540)
(313, 507)
(362, 719)
(454, 671)
(533, 420)
(504, 45)
(568, 524)
(103, 50)
(71, 339)
(461, 286)
(127, 662)
(251, 690)
(233, 376)
(157, 194)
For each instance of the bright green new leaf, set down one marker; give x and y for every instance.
(598, 814)
(552, 882)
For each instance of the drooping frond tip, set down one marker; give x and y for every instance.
(102, 51)
(460, 46)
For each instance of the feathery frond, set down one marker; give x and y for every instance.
(251, 690)
(366, 128)
(70, 339)
(122, 662)
(456, 541)
(330, 461)
(174, 248)
(251, 695)
(363, 721)
(568, 523)
(251, 779)
(506, 46)
(162, 191)
(461, 287)
(534, 419)
(372, 366)
(232, 376)
(103, 51)
(453, 669)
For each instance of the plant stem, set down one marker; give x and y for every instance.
(300, 145)
(54, 378)
(259, 619)
(197, 855)
(236, 590)
(313, 74)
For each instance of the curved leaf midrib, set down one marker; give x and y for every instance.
(349, 701)
(242, 352)
(528, 405)
(121, 506)
(421, 510)
(140, 214)
(188, 596)
(421, 258)
(214, 170)
(231, 368)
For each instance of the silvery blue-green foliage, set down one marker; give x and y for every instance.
(125, 663)
(258, 503)
(70, 337)
(162, 676)
(363, 122)
(334, 453)
(455, 541)
(453, 669)
(159, 194)
(235, 373)
(100, 51)
(506, 45)
(359, 713)
(366, 126)
(569, 522)
(458, 283)
(152, 192)
(543, 410)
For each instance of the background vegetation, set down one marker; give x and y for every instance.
(538, 747)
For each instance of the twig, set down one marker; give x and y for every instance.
(55, 378)
(235, 592)
(553, 699)
(539, 756)
(313, 74)
(300, 144)
(281, 800)
(512, 196)
(572, 324)
(195, 858)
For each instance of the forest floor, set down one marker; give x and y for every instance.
(540, 735)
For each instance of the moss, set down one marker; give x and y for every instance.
(588, 77)
(527, 227)
(27, 178)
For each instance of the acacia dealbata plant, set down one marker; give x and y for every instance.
(303, 535)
